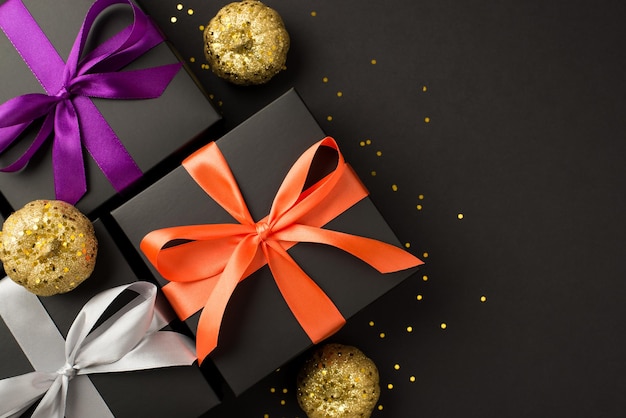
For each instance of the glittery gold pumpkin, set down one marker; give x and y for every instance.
(246, 43)
(338, 381)
(48, 246)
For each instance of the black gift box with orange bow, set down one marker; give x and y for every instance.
(126, 394)
(259, 332)
(151, 130)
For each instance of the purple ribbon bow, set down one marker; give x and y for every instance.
(66, 108)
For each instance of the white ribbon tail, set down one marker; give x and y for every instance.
(54, 402)
(18, 393)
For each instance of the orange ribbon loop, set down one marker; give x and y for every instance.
(205, 270)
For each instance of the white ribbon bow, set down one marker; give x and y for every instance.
(129, 340)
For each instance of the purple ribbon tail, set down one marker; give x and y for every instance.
(16, 115)
(70, 182)
(8, 135)
(26, 108)
(42, 135)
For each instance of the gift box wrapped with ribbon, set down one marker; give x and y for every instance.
(265, 242)
(92, 99)
(107, 348)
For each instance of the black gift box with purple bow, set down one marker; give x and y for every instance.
(114, 99)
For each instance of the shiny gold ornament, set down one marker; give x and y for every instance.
(48, 246)
(246, 43)
(338, 381)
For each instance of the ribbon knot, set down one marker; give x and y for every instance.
(66, 109)
(296, 215)
(63, 93)
(263, 230)
(68, 371)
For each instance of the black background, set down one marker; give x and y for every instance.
(518, 175)
(525, 139)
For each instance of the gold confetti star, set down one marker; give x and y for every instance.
(325, 80)
(409, 329)
(427, 119)
(444, 325)
(179, 6)
(459, 216)
(394, 187)
(373, 62)
(419, 297)
(424, 88)
(313, 13)
(339, 94)
(412, 379)
(173, 19)
(483, 298)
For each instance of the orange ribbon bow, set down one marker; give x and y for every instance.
(204, 271)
